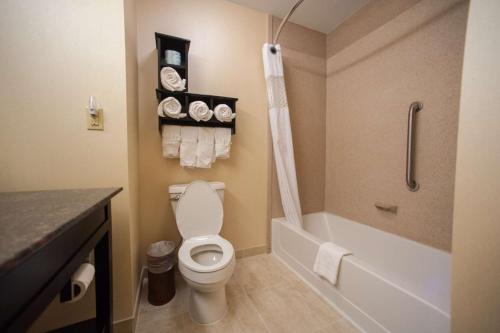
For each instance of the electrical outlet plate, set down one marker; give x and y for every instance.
(95, 122)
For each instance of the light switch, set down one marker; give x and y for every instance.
(95, 121)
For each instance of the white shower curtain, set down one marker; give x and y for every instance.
(279, 118)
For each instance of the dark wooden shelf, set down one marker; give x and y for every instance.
(185, 98)
(163, 63)
(181, 45)
(166, 42)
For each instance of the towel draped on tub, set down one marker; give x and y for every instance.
(328, 260)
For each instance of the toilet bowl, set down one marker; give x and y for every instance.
(206, 260)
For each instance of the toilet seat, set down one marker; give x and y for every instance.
(185, 253)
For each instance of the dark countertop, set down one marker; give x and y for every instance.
(29, 220)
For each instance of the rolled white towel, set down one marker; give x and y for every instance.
(222, 142)
(188, 149)
(171, 80)
(199, 111)
(170, 107)
(205, 149)
(224, 113)
(171, 140)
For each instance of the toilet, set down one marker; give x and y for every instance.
(206, 260)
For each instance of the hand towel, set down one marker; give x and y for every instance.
(199, 111)
(170, 107)
(222, 142)
(205, 149)
(224, 113)
(328, 260)
(170, 140)
(171, 80)
(188, 149)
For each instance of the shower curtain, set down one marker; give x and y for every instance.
(279, 119)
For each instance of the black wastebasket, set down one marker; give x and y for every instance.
(161, 272)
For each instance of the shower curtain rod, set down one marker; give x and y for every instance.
(277, 35)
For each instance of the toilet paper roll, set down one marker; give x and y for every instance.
(80, 281)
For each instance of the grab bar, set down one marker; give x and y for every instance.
(410, 181)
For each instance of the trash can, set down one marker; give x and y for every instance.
(161, 281)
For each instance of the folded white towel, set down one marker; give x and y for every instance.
(199, 111)
(224, 113)
(170, 107)
(222, 142)
(171, 140)
(171, 80)
(205, 149)
(188, 149)
(328, 260)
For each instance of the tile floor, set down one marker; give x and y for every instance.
(263, 296)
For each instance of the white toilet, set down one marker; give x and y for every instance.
(206, 260)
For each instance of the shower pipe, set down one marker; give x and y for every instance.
(410, 146)
(277, 35)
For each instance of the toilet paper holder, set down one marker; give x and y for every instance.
(76, 287)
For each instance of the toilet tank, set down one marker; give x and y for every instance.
(175, 192)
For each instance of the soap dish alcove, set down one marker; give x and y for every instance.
(165, 42)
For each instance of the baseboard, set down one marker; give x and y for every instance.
(128, 325)
(124, 326)
(253, 251)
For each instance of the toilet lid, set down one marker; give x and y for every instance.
(199, 211)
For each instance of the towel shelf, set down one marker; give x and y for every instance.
(185, 98)
(166, 42)
(181, 45)
(178, 68)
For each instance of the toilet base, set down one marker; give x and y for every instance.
(207, 307)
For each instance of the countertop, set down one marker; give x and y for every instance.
(29, 220)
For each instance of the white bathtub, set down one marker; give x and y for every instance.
(389, 284)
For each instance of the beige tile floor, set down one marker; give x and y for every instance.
(263, 296)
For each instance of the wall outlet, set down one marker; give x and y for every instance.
(95, 122)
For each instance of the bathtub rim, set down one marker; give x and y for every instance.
(356, 261)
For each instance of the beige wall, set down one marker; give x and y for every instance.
(224, 59)
(370, 17)
(415, 56)
(132, 141)
(304, 63)
(54, 56)
(476, 228)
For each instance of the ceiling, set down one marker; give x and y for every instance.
(320, 15)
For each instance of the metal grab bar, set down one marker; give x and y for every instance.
(410, 181)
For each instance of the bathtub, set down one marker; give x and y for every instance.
(389, 284)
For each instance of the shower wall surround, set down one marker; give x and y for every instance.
(350, 138)
(371, 82)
